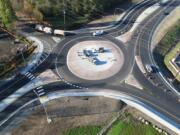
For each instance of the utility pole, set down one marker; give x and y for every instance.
(64, 13)
(22, 55)
(49, 120)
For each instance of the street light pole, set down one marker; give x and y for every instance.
(49, 120)
(23, 56)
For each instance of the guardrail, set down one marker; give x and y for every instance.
(132, 101)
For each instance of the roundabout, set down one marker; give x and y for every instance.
(91, 59)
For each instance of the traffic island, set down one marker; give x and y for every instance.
(92, 60)
(95, 60)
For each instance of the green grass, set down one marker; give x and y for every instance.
(169, 39)
(131, 128)
(87, 130)
(172, 54)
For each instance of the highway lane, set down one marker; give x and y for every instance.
(153, 102)
(144, 41)
(162, 102)
(168, 101)
(27, 98)
(12, 86)
(127, 20)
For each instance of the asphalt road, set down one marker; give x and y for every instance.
(62, 70)
(153, 96)
(144, 44)
(122, 27)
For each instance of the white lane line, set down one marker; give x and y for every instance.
(42, 93)
(19, 93)
(26, 73)
(41, 90)
(39, 87)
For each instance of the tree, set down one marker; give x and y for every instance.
(7, 13)
(32, 11)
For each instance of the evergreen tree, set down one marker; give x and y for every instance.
(7, 13)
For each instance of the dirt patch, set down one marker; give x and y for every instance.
(36, 124)
(75, 106)
(7, 48)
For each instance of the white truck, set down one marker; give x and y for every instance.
(58, 32)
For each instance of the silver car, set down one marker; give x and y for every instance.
(98, 33)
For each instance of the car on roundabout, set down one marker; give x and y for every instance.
(98, 33)
(149, 68)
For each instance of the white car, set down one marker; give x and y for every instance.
(39, 27)
(149, 68)
(98, 33)
(47, 30)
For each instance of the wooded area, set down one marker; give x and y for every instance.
(77, 11)
(7, 13)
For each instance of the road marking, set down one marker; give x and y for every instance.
(41, 90)
(26, 73)
(39, 87)
(42, 93)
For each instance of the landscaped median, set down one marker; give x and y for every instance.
(86, 130)
(131, 127)
(166, 53)
(169, 61)
(125, 125)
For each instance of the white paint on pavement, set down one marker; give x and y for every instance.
(37, 54)
(125, 37)
(131, 80)
(19, 93)
(140, 64)
(144, 15)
